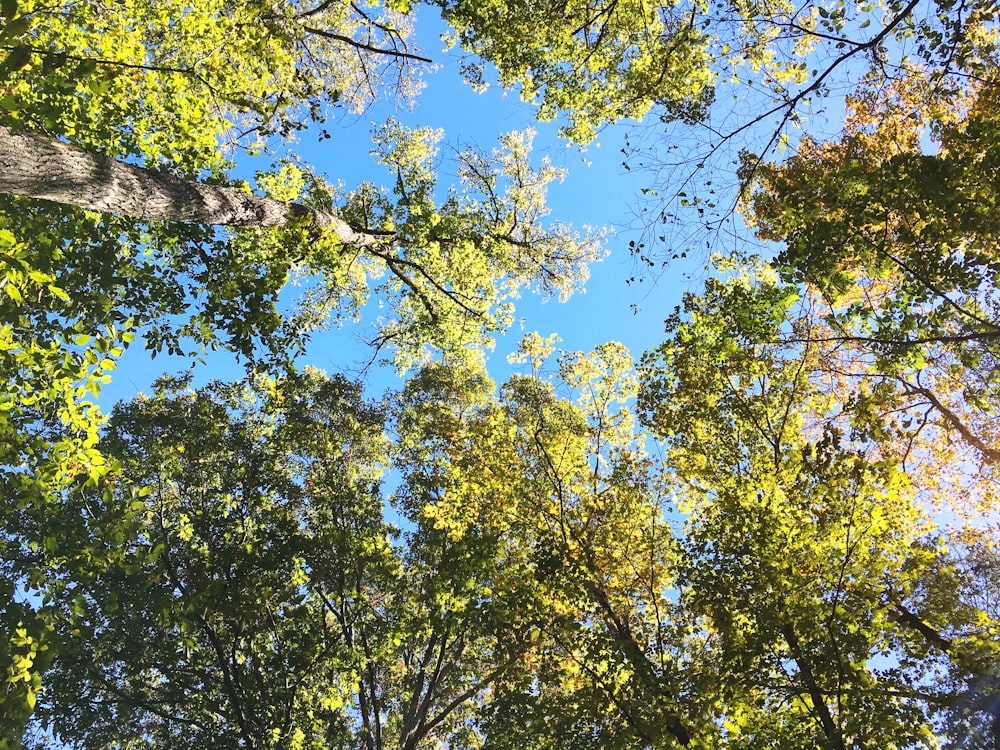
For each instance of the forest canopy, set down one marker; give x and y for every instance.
(776, 527)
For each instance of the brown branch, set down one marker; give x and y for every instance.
(109, 63)
(990, 455)
(913, 621)
(318, 9)
(227, 678)
(638, 659)
(471, 692)
(790, 104)
(943, 339)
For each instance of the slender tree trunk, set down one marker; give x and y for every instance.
(37, 166)
(815, 694)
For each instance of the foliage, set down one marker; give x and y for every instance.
(171, 83)
(551, 584)
(577, 505)
(168, 86)
(229, 567)
(807, 554)
(259, 599)
(590, 62)
(451, 266)
(184, 89)
(601, 61)
(899, 248)
(915, 230)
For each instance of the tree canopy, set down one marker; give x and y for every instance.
(777, 528)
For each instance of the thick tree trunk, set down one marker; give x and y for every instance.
(37, 166)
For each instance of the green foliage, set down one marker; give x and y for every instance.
(48, 434)
(594, 62)
(769, 582)
(24, 653)
(917, 230)
(576, 504)
(175, 87)
(182, 88)
(223, 570)
(590, 62)
(259, 598)
(898, 250)
(807, 557)
(172, 83)
(452, 263)
(167, 86)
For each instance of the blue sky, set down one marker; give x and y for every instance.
(598, 191)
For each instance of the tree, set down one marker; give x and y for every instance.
(545, 592)
(599, 61)
(237, 584)
(258, 598)
(154, 90)
(900, 247)
(553, 470)
(829, 598)
(147, 83)
(894, 240)
(452, 264)
(719, 79)
(41, 167)
(590, 62)
(137, 84)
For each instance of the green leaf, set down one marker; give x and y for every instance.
(18, 58)
(58, 292)
(15, 29)
(85, 68)
(39, 277)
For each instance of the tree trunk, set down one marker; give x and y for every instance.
(37, 166)
(830, 728)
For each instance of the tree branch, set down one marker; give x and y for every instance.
(990, 455)
(38, 166)
(361, 45)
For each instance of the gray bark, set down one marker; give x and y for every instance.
(38, 166)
